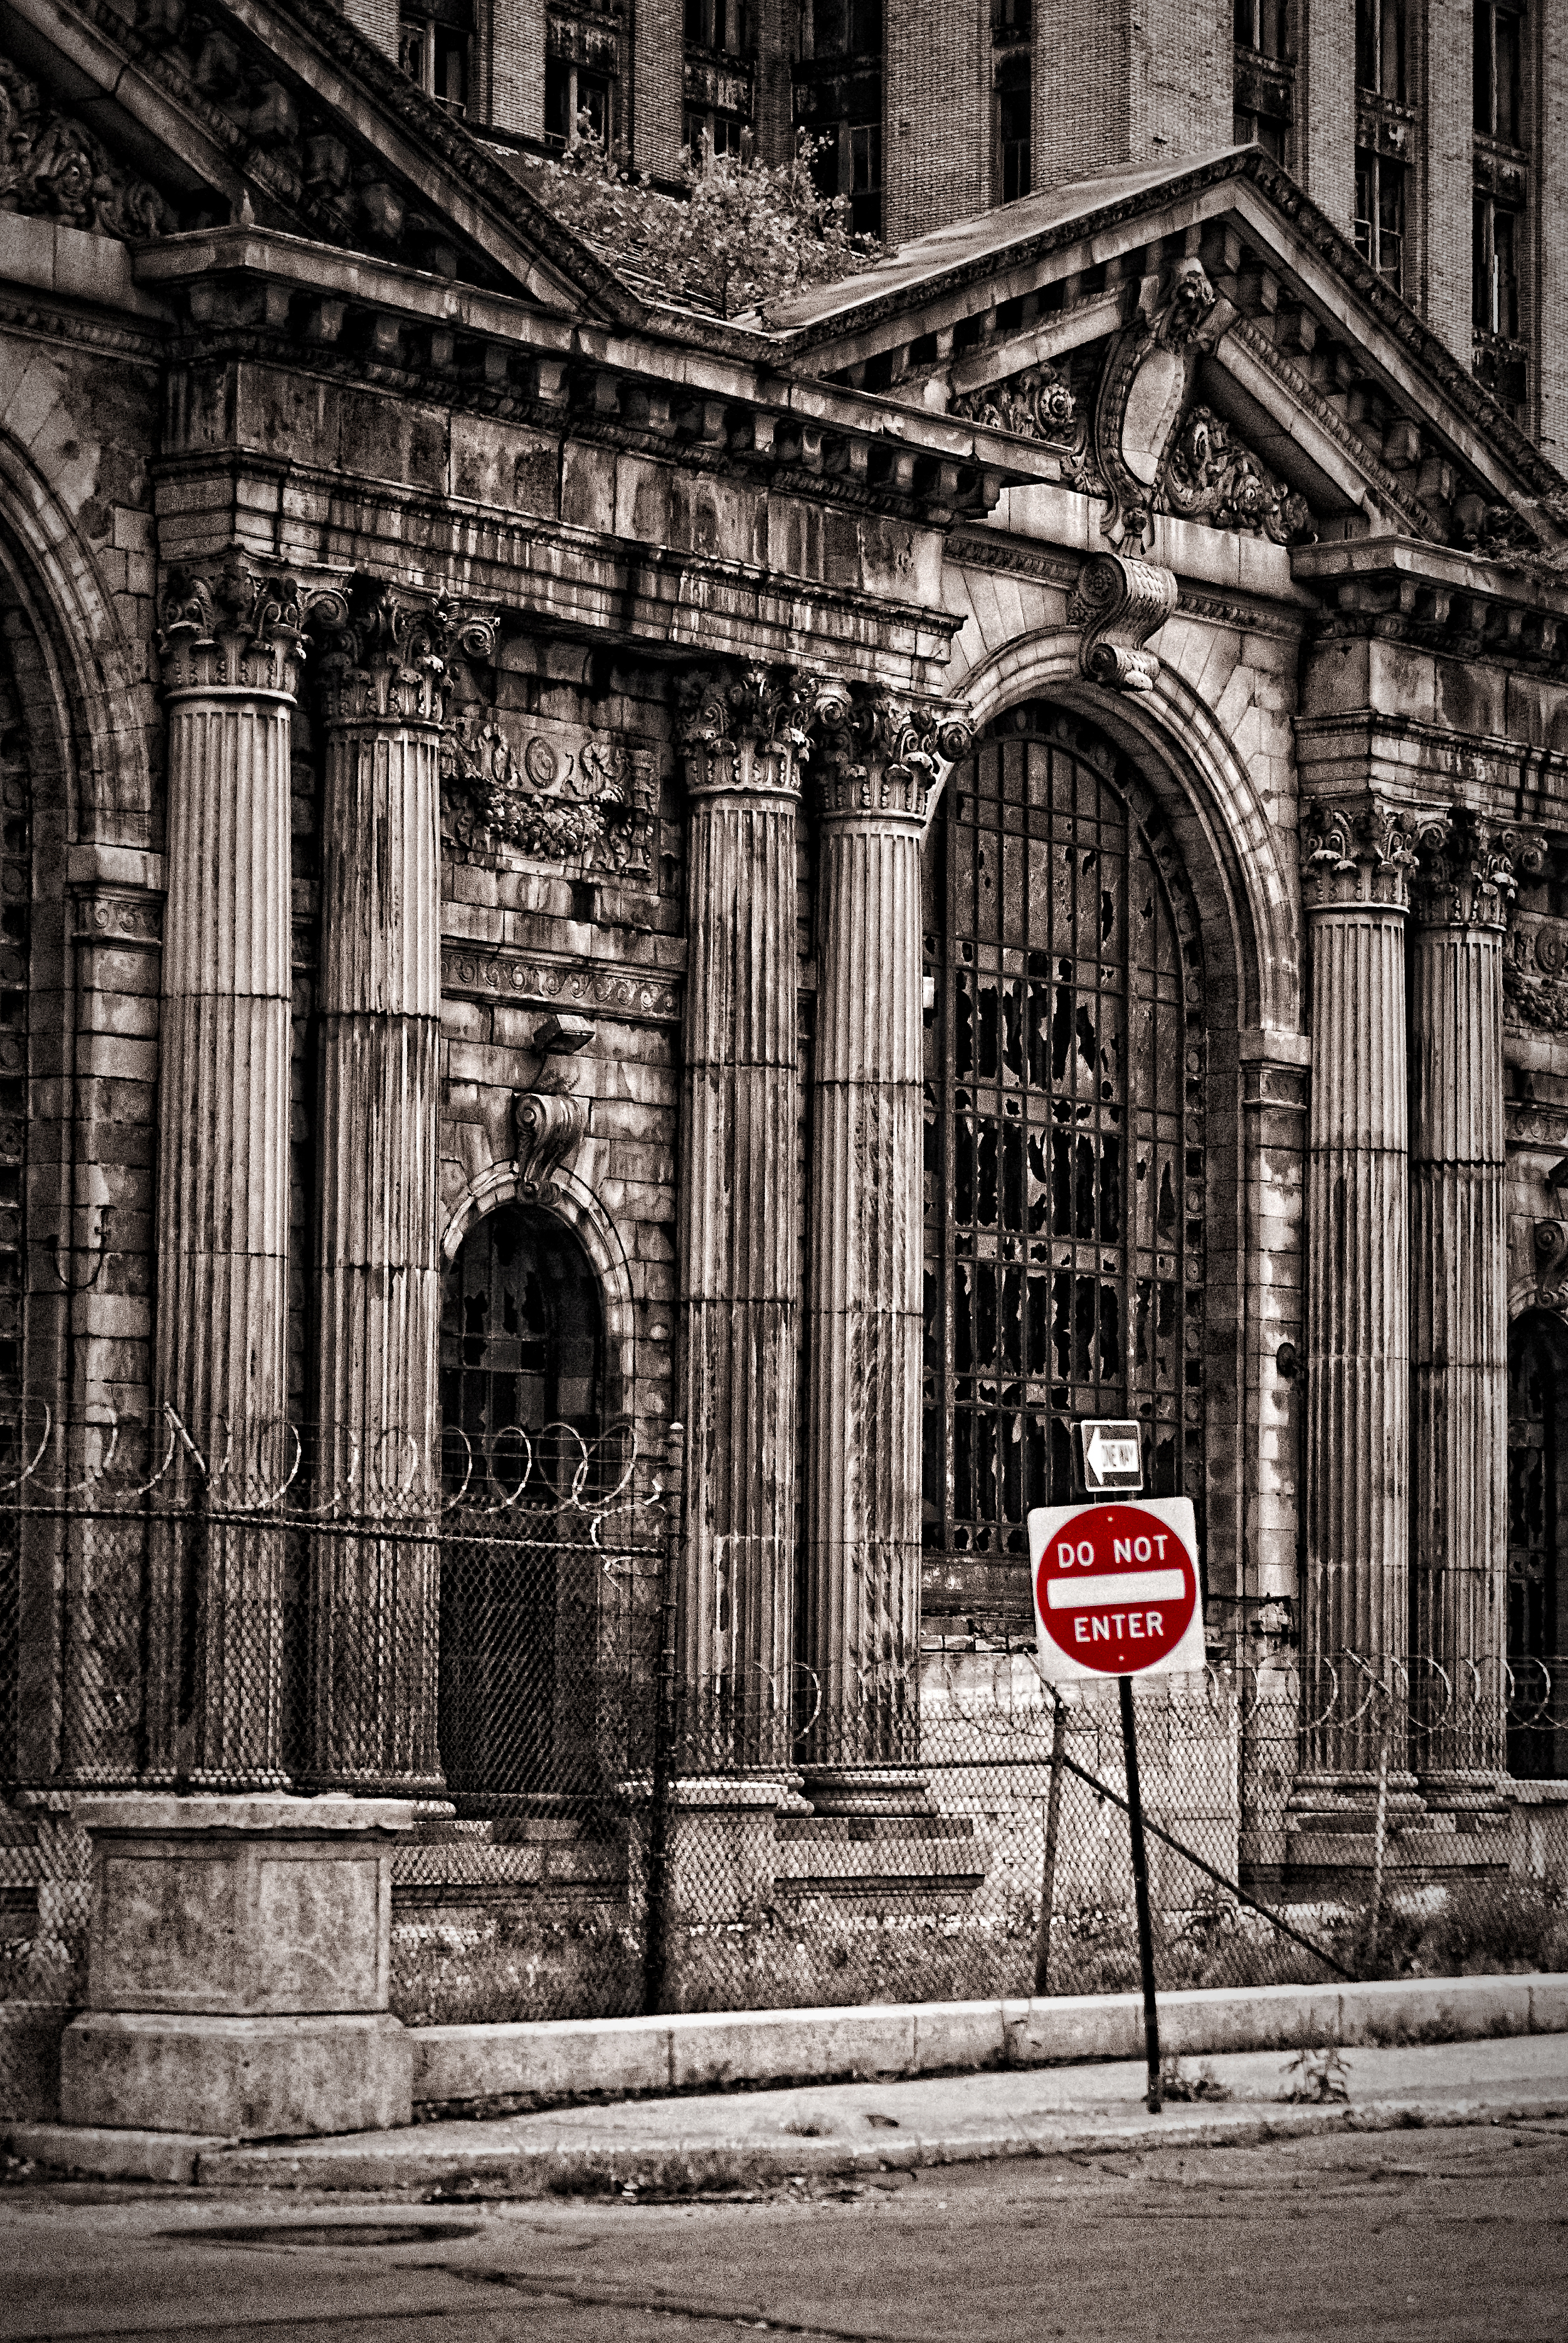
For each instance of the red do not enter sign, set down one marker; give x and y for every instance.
(1116, 1588)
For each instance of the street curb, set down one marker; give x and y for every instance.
(529, 2172)
(516, 2069)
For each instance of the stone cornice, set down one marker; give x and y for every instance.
(1326, 416)
(81, 330)
(1462, 605)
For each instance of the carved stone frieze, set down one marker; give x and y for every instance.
(1120, 603)
(1034, 405)
(1210, 477)
(502, 976)
(593, 805)
(745, 729)
(52, 166)
(551, 1125)
(231, 628)
(1357, 851)
(878, 753)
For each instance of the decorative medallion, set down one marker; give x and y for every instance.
(1036, 404)
(54, 167)
(1211, 477)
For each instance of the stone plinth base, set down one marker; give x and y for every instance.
(892, 1790)
(242, 2077)
(239, 1967)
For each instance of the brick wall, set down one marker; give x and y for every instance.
(1444, 291)
(516, 66)
(1551, 226)
(1325, 142)
(656, 138)
(936, 117)
(1180, 95)
(376, 20)
(773, 110)
(1083, 112)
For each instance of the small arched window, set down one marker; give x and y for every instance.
(522, 1352)
(522, 1342)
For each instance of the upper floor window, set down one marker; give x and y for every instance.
(1495, 242)
(1260, 26)
(846, 28)
(1380, 49)
(577, 103)
(713, 134)
(1012, 20)
(720, 24)
(1264, 130)
(433, 50)
(1014, 102)
(1499, 72)
(1380, 215)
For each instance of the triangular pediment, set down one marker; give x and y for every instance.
(275, 114)
(1196, 339)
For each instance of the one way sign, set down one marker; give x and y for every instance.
(1113, 1456)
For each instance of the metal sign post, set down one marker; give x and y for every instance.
(1116, 1593)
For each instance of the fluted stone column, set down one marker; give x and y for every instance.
(744, 739)
(1356, 864)
(374, 1595)
(1459, 1292)
(875, 763)
(231, 649)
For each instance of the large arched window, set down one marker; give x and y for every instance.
(1064, 1147)
(522, 1349)
(1537, 1526)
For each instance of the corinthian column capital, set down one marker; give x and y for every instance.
(387, 654)
(880, 755)
(231, 628)
(1359, 850)
(1468, 869)
(744, 729)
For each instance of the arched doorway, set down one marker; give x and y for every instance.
(522, 1372)
(1064, 1147)
(1537, 1528)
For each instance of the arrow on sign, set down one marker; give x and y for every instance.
(1113, 1456)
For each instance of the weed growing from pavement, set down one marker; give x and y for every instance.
(1179, 2081)
(1317, 2077)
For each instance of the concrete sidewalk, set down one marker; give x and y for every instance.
(772, 2140)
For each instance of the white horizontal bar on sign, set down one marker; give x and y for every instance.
(1122, 1587)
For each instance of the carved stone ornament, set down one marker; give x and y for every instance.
(1120, 603)
(1468, 869)
(1144, 390)
(746, 728)
(52, 167)
(882, 755)
(1034, 405)
(1211, 477)
(386, 655)
(1552, 1264)
(1361, 853)
(595, 805)
(232, 628)
(551, 1125)
(1535, 974)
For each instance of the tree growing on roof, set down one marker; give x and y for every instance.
(743, 236)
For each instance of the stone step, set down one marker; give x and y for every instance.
(467, 1864)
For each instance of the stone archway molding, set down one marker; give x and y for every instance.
(1231, 849)
(573, 1202)
(80, 637)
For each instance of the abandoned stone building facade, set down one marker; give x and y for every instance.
(988, 853)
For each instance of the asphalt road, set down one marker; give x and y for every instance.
(1436, 2235)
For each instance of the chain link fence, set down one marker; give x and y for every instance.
(497, 1638)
